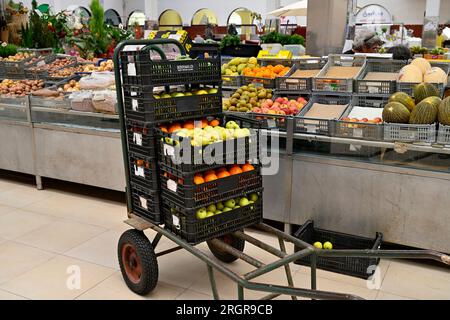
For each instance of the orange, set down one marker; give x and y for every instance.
(221, 169)
(235, 170)
(188, 125)
(214, 123)
(198, 180)
(163, 129)
(210, 177)
(174, 127)
(247, 167)
(223, 174)
(204, 123)
(207, 173)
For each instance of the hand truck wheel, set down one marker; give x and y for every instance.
(137, 262)
(231, 240)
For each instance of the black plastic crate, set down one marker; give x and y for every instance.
(143, 171)
(361, 130)
(183, 222)
(351, 266)
(31, 71)
(141, 138)
(139, 69)
(384, 87)
(299, 84)
(141, 105)
(268, 83)
(146, 204)
(181, 189)
(315, 125)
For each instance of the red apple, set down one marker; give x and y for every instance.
(257, 110)
(365, 120)
(279, 100)
(269, 102)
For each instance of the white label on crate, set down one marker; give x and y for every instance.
(172, 185)
(137, 138)
(143, 202)
(271, 123)
(258, 84)
(139, 171)
(374, 90)
(134, 104)
(40, 63)
(133, 93)
(312, 61)
(176, 221)
(310, 128)
(169, 150)
(131, 69)
(358, 133)
(354, 147)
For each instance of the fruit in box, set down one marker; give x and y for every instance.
(237, 66)
(246, 98)
(404, 99)
(425, 90)
(281, 106)
(410, 73)
(444, 112)
(395, 112)
(423, 65)
(425, 112)
(436, 75)
(269, 72)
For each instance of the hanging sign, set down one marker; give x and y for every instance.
(373, 14)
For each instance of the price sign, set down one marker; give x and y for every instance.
(172, 185)
(143, 202)
(139, 171)
(137, 138)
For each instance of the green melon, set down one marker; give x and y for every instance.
(404, 99)
(435, 101)
(425, 90)
(424, 113)
(395, 112)
(444, 112)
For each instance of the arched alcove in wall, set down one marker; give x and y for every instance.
(136, 16)
(112, 17)
(170, 20)
(203, 17)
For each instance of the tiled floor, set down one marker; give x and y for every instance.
(49, 237)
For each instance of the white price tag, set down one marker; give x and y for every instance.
(137, 138)
(271, 123)
(134, 104)
(40, 63)
(139, 171)
(373, 90)
(133, 93)
(355, 147)
(172, 185)
(143, 202)
(131, 70)
(358, 132)
(176, 221)
(169, 150)
(310, 128)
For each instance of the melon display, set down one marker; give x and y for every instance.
(395, 112)
(422, 64)
(444, 112)
(435, 75)
(435, 101)
(424, 113)
(410, 73)
(404, 99)
(425, 90)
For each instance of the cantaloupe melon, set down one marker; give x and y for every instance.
(424, 113)
(410, 73)
(435, 75)
(422, 64)
(444, 112)
(425, 90)
(395, 112)
(404, 99)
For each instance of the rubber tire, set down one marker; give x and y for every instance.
(226, 257)
(147, 256)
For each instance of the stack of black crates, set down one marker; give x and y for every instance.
(162, 188)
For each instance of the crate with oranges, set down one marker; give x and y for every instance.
(265, 76)
(214, 185)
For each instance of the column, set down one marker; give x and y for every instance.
(151, 10)
(431, 23)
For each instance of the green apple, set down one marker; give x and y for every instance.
(253, 197)
(244, 202)
(201, 213)
(318, 245)
(177, 94)
(206, 139)
(218, 212)
(168, 141)
(188, 94)
(208, 129)
(230, 204)
(232, 125)
(166, 96)
(212, 208)
(220, 206)
(212, 91)
(197, 141)
(327, 245)
(156, 96)
(201, 92)
(209, 214)
(237, 207)
(226, 209)
(251, 202)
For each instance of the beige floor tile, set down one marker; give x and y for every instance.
(388, 296)
(192, 295)
(21, 196)
(417, 281)
(20, 222)
(60, 236)
(6, 185)
(18, 259)
(50, 280)
(6, 209)
(114, 288)
(9, 296)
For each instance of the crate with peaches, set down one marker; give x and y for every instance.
(213, 185)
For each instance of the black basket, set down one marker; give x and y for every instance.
(297, 84)
(267, 83)
(385, 87)
(32, 73)
(351, 266)
(143, 171)
(314, 125)
(181, 189)
(183, 222)
(141, 138)
(141, 105)
(139, 69)
(146, 204)
(361, 130)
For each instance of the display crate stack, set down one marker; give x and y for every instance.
(164, 166)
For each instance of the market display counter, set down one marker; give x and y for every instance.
(353, 186)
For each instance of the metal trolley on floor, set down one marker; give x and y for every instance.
(138, 73)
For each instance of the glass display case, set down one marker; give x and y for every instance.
(14, 109)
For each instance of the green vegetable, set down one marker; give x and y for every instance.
(283, 39)
(8, 50)
(230, 41)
